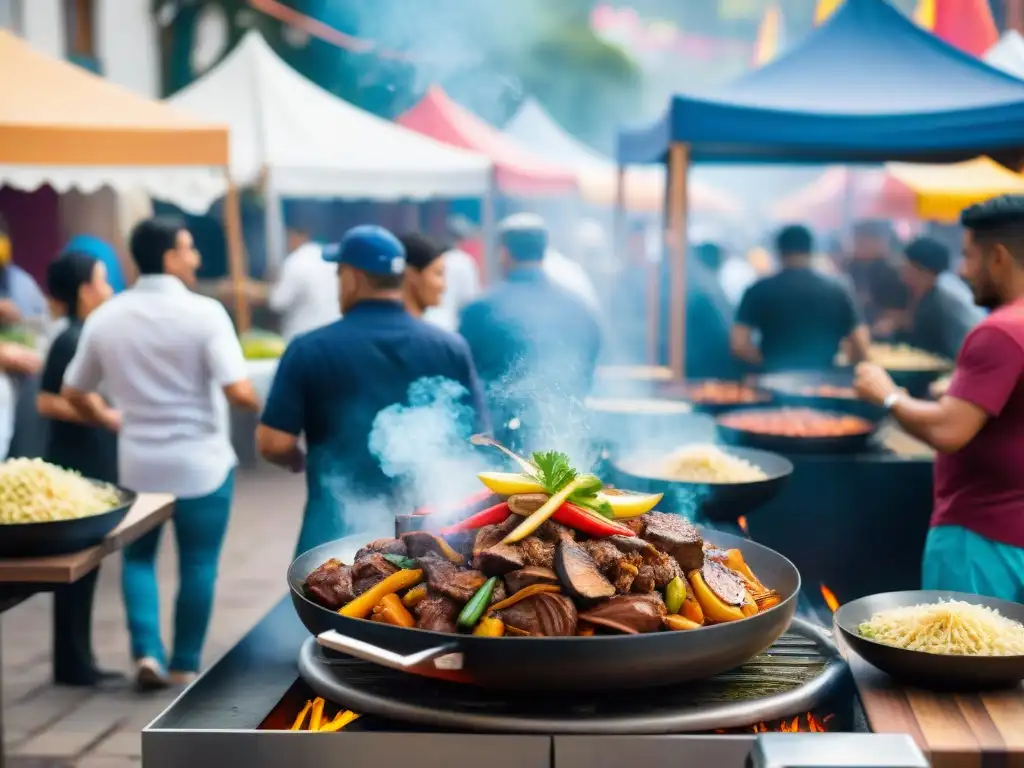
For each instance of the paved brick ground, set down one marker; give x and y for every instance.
(48, 726)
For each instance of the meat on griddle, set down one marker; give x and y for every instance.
(445, 578)
(547, 615)
(537, 552)
(528, 576)
(499, 559)
(663, 567)
(436, 613)
(331, 584)
(370, 571)
(553, 532)
(579, 574)
(630, 614)
(726, 585)
(619, 567)
(383, 547)
(490, 535)
(420, 543)
(675, 536)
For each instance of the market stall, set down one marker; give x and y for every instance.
(1007, 54)
(645, 187)
(898, 191)
(335, 150)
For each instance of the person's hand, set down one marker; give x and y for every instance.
(9, 312)
(872, 383)
(111, 420)
(15, 358)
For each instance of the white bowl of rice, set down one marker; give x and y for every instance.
(938, 639)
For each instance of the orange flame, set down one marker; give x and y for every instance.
(830, 599)
(742, 523)
(806, 723)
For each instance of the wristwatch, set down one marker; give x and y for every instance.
(891, 399)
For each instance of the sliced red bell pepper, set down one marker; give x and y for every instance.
(585, 522)
(499, 513)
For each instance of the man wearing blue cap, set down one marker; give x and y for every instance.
(333, 381)
(534, 342)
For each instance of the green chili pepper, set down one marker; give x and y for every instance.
(675, 594)
(405, 563)
(474, 609)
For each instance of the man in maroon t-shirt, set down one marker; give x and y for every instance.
(976, 543)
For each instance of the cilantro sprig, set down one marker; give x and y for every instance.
(555, 472)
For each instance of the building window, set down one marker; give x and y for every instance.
(79, 30)
(10, 15)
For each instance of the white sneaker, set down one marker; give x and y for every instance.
(150, 675)
(181, 679)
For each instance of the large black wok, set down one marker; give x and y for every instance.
(557, 663)
(826, 390)
(718, 502)
(930, 670)
(788, 445)
(689, 392)
(62, 537)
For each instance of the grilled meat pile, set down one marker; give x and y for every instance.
(574, 584)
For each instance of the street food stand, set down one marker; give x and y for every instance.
(911, 98)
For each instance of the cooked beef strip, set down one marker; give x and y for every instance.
(636, 524)
(420, 543)
(499, 594)
(620, 568)
(436, 613)
(330, 585)
(547, 614)
(632, 614)
(369, 571)
(664, 567)
(446, 578)
(643, 582)
(629, 544)
(579, 574)
(675, 536)
(490, 535)
(553, 532)
(384, 547)
(603, 552)
(537, 552)
(724, 583)
(528, 576)
(499, 559)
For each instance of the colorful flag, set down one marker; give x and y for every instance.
(965, 24)
(769, 36)
(924, 14)
(824, 10)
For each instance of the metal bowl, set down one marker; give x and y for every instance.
(62, 537)
(718, 502)
(930, 670)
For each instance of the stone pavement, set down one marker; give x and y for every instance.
(48, 726)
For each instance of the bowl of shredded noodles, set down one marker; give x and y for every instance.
(720, 483)
(47, 510)
(938, 639)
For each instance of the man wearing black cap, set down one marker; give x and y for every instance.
(333, 381)
(535, 343)
(941, 316)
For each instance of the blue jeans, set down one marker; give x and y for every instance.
(960, 560)
(199, 527)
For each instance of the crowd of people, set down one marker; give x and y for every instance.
(134, 385)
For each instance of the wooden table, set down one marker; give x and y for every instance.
(954, 730)
(29, 576)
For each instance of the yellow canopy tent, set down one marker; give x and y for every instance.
(941, 192)
(63, 126)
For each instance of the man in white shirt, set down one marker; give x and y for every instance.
(462, 285)
(167, 357)
(306, 292)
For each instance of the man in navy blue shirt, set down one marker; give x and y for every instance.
(534, 343)
(333, 381)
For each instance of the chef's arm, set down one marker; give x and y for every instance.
(280, 448)
(741, 340)
(857, 344)
(60, 408)
(242, 395)
(947, 426)
(91, 408)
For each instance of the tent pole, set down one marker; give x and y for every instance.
(236, 257)
(489, 267)
(678, 170)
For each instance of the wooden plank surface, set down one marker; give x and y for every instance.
(955, 730)
(149, 511)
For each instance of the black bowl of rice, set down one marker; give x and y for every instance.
(937, 639)
(47, 511)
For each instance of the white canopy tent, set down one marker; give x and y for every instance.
(1007, 54)
(297, 140)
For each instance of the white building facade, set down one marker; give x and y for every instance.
(116, 38)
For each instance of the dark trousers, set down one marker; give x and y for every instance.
(73, 662)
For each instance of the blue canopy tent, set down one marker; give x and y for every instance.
(868, 86)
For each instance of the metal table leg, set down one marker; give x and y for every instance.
(3, 746)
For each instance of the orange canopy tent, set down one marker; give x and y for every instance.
(518, 171)
(70, 129)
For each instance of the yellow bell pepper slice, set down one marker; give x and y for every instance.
(678, 623)
(509, 483)
(301, 718)
(625, 504)
(713, 607)
(316, 714)
(340, 721)
(552, 505)
(363, 605)
(490, 626)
